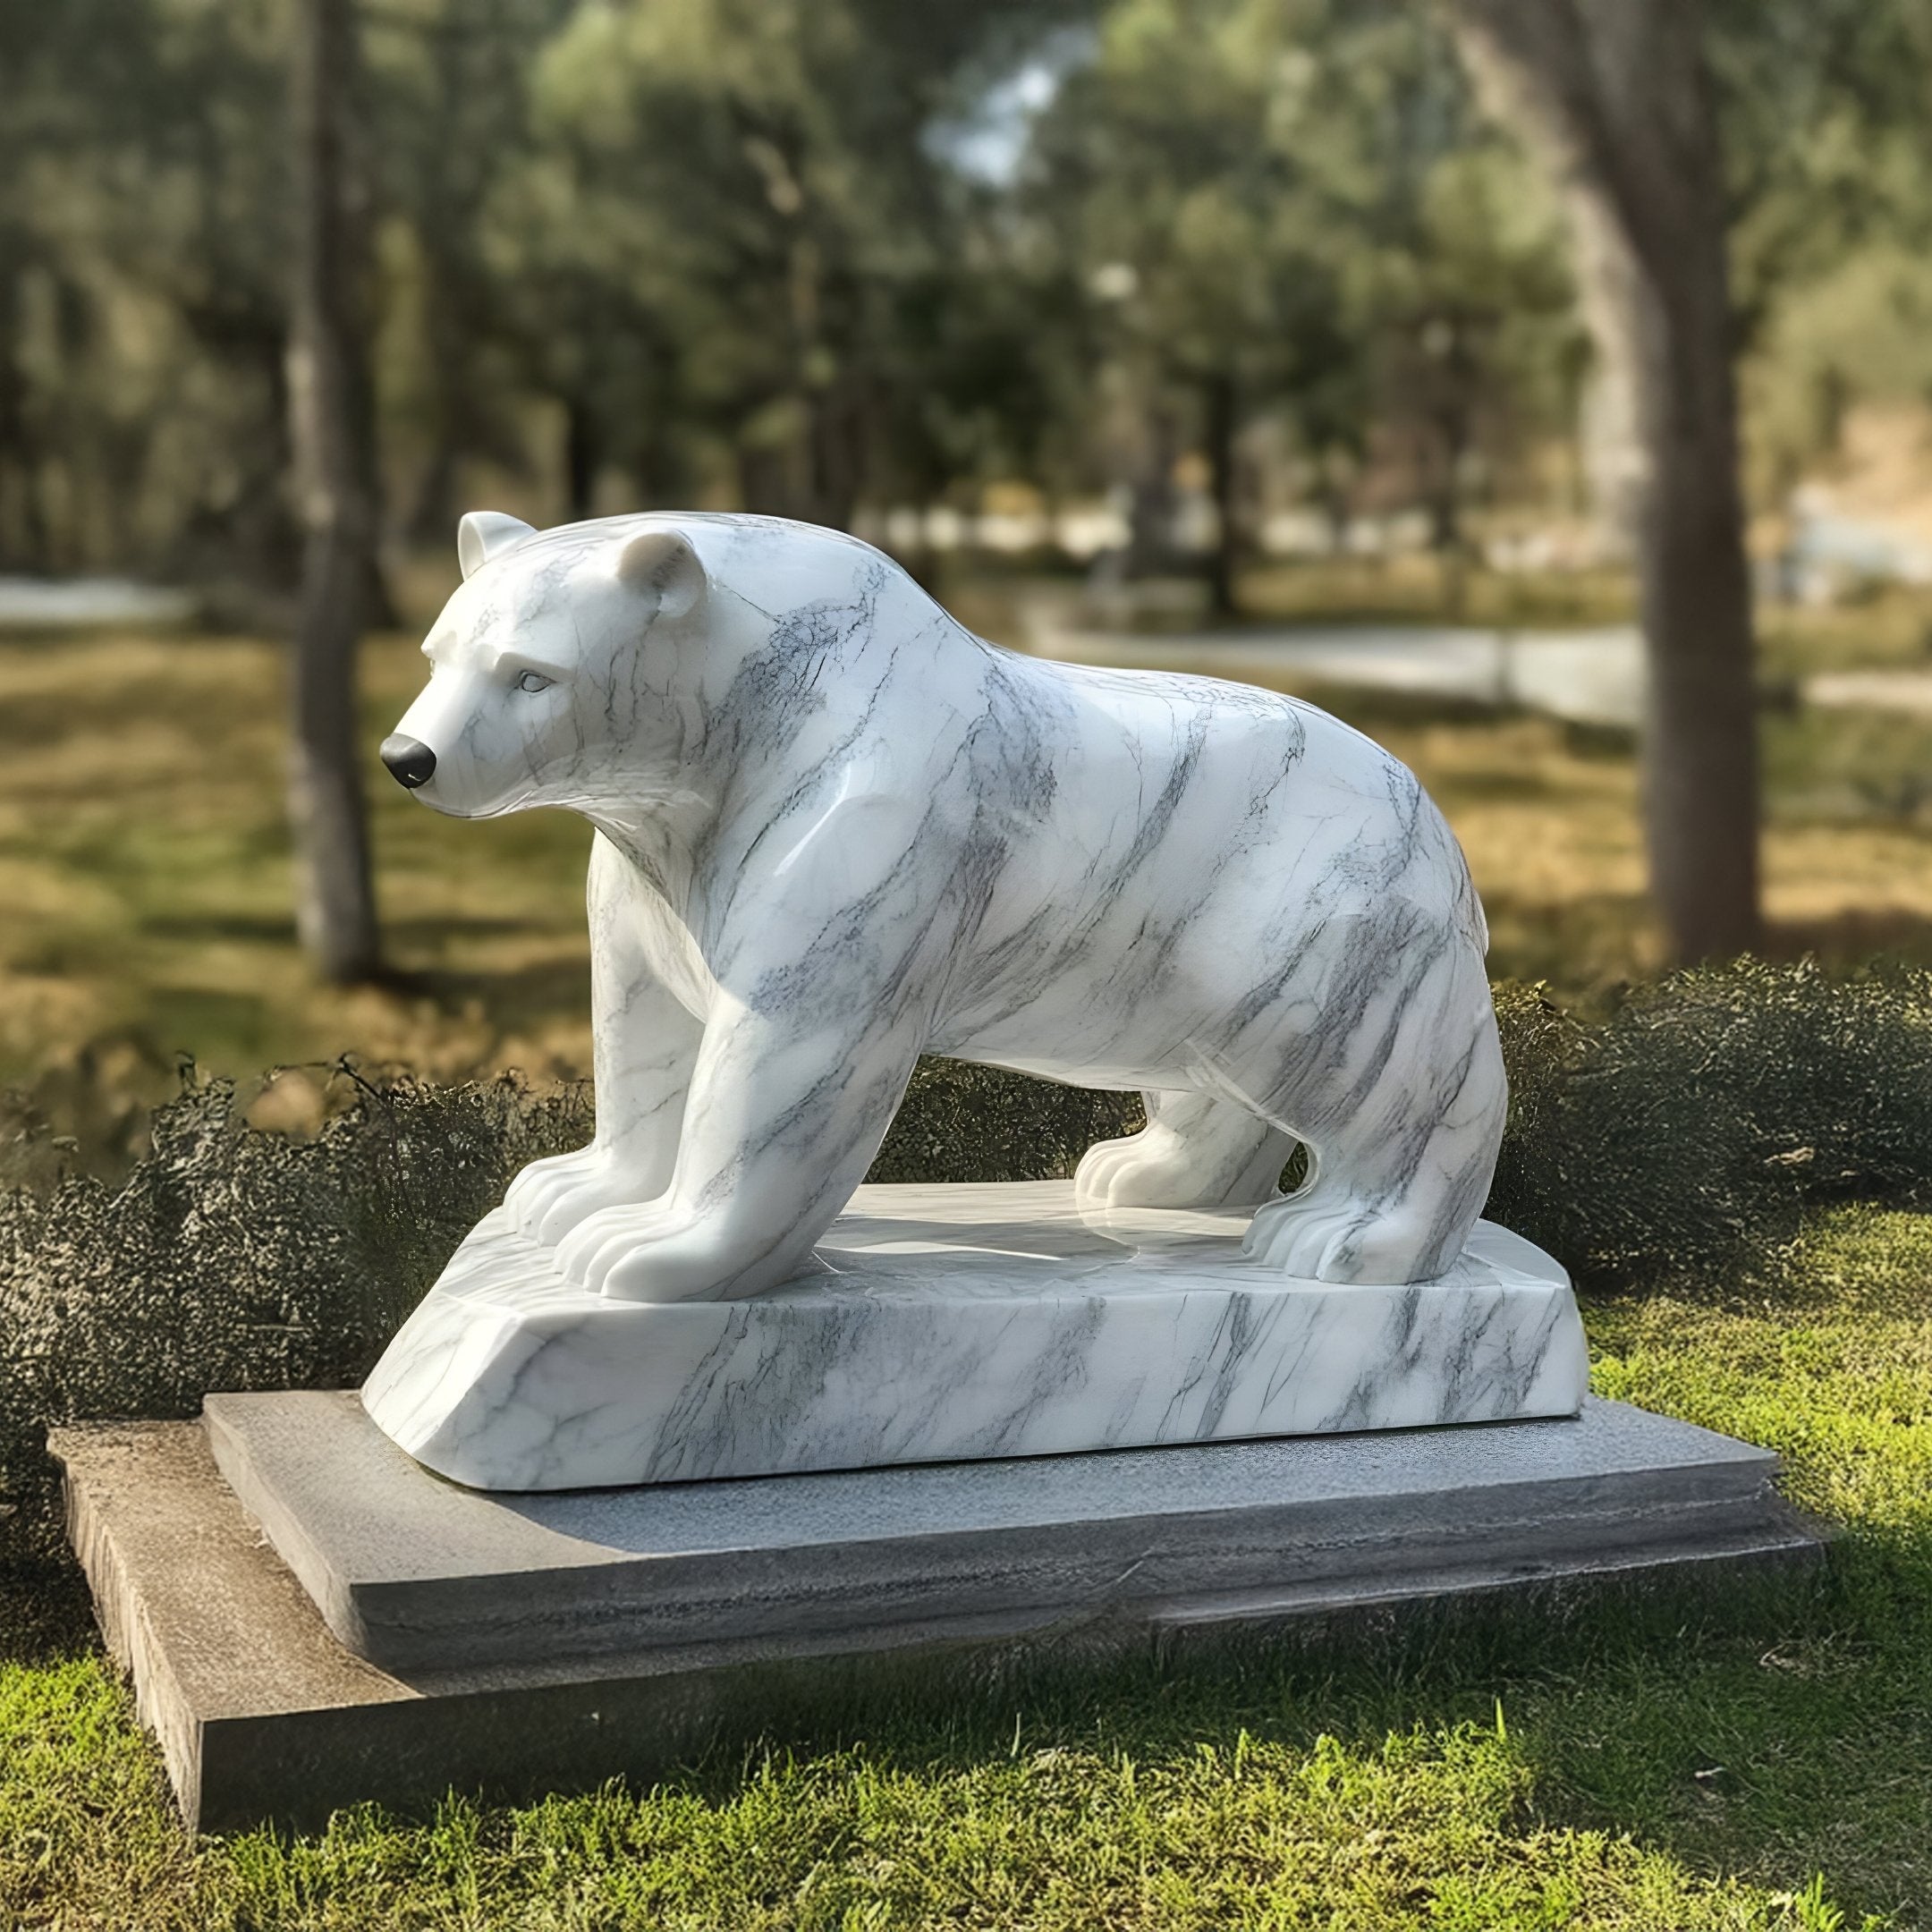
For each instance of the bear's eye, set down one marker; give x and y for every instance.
(532, 680)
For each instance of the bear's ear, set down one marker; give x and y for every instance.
(485, 534)
(661, 562)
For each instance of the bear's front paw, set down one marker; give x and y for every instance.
(571, 1207)
(660, 1252)
(542, 1183)
(550, 1198)
(647, 1253)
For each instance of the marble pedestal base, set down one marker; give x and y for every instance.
(958, 1323)
(311, 1619)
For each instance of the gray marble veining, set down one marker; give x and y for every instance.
(834, 830)
(958, 1323)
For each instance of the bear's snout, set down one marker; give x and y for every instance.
(410, 762)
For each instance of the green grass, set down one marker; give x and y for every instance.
(1755, 1756)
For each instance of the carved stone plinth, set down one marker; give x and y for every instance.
(953, 1323)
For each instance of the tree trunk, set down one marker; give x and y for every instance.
(449, 321)
(1608, 430)
(834, 454)
(1445, 499)
(1451, 389)
(432, 513)
(1619, 95)
(1220, 420)
(23, 529)
(451, 301)
(332, 430)
(1332, 492)
(583, 455)
(764, 485)
(1150, 542)
(260, 540)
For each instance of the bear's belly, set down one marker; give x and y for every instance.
(1118, 1077)
(1081, 1035)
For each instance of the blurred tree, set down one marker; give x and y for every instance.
(1821, 116)
(1185, 190)
(716, 248)
(142, 196)
(584, 326)
(331, 419)
(1621, 96)
(450, 87)
(1828, 168)
(1822, 110)
(752, 194)
(1477, 323)
(724, 251)
(1285, 207)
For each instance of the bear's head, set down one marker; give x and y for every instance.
(555, 669)
(647, 662)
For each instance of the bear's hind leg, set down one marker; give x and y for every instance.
(1394, 1191)
(1195, 1151)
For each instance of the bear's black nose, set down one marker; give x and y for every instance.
(409, 760)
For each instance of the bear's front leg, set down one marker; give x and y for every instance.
(645, 1045)
(783, 1120)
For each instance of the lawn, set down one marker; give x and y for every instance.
(1757, 1756)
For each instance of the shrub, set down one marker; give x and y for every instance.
(961, 1122)
(231, 1257)
(1686, 1135)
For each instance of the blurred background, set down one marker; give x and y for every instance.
(1545, 386)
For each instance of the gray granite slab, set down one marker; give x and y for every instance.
(262, 1712)
(413, 1572)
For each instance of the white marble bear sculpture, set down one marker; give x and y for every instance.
(834, 831)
